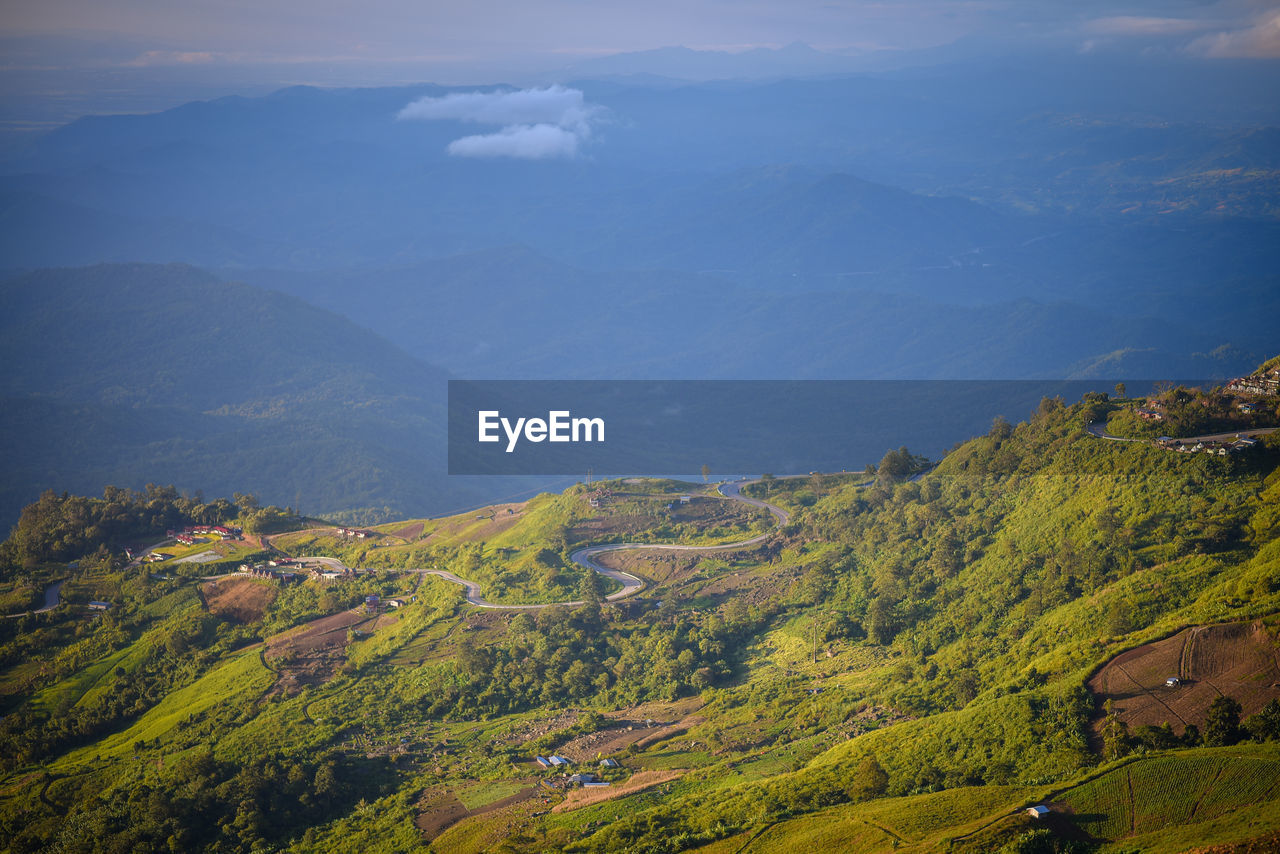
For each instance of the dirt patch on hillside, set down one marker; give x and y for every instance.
(480, 524)
(1240, 660)
(641, 725)
(681, 576)
(312, 654)
(409, 532)
(660, 567)
(440, 809)
(608, 528)
(243, 600)
(641, 780)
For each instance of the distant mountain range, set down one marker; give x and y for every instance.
(126, 374)
(967, 221)
(512, 313)
(684, 63)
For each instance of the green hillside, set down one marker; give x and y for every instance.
(903, 666)
(130, 374)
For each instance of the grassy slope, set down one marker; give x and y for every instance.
(764, 752)
(982, 618)
(242, 678)
(1163, 803)
(522, 557)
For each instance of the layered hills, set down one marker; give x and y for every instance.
(129, 374)
(899, 662)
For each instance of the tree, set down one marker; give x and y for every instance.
(1115, 734)
(895, 466)
(1120, 390)
(1222, 725)
(882, 625)
(1265, 725)
(706, 472)
(870, 781)
(246, 502)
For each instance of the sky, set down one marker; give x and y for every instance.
(203, 31)
(63, 57)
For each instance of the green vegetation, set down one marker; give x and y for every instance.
(1193, 412)
(1154, 793)
(903, 665)
(520, 554)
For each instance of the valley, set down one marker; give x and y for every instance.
(938, 508)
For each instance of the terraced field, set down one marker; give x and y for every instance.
(1241, 660)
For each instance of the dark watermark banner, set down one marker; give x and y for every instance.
(554, 427)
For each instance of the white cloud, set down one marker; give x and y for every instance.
(172, 57)
(527, 142)
(1130, 25)
(1259, 41)
(536, 123)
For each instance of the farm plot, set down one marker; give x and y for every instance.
(310, 655)
(243, 600)
(1152, 794)
(1240, 660)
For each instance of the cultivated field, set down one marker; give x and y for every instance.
(1240, 660)
(641, 780)
(1149, 795)
(312, 654)
(243, 600)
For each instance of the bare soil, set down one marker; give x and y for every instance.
(441, 809)
(495, 520)
(409, 532)
(641, 780)
(243, 600)
(438, 811)
(641, 725)
(311, 655)
(1240, 660)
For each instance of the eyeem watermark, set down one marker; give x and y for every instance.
(558, 426)
(728, 426)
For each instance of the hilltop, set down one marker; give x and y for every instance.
(897, 663)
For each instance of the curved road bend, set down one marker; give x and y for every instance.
(52, 599)
(583, 557)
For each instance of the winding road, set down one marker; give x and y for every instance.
(631, 584)
(1099, 429)
(52, 598)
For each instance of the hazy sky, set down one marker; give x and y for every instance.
(207, 31)
(60, 59)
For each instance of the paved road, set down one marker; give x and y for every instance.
(734, 490)
(52, 598)
(583, 557)
(1099, 429)
(1226, 437)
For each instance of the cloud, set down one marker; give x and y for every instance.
(1259, 41)
(536, 124)
(172, 57)
(1128, 25)
(527, 142)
